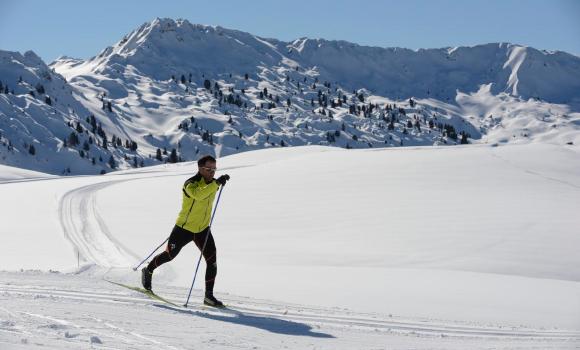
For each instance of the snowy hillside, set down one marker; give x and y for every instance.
(467, 247)
(171, 90)
(392, 72)
(44, 127)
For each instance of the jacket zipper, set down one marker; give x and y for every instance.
(206, 209)
(189, 212)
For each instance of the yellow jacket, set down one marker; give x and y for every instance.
(197, 204)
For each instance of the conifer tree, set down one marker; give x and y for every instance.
(73, 139)
(112, 162)
(173, 156)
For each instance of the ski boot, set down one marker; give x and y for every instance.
(146, 278)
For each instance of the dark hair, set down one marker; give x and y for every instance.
(201, 161)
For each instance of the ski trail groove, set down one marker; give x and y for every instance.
(326, 317)
(87, 232)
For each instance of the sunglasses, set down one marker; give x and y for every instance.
(209, 169)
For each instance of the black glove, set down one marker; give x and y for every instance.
(222, 180)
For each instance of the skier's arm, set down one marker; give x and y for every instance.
(201, 191)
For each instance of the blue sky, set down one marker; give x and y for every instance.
(83, 28)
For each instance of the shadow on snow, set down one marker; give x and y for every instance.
(270, 324)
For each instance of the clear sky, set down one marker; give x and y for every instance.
(81, 29)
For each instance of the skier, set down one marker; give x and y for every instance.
(192, 224)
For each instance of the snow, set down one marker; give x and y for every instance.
(418, 247)
(495, 93)
(380, 247)
(8, 173)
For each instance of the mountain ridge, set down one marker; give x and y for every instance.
(170, 86)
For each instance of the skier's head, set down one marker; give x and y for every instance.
(207, 166)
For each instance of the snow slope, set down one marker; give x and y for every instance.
(397, 73)
(424, 248)
(8, 173)
(172, 86)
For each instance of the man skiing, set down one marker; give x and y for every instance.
(193, 224)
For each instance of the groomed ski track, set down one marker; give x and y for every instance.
(69, 311)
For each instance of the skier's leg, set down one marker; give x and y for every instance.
(178, 239)
(209, 254)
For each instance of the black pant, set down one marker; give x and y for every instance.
(178, 239)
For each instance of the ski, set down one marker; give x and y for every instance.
(152, 295)
(149, 293)
(209, 307)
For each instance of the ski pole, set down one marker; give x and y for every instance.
(203, 248)
(159, 246)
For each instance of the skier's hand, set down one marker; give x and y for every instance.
(222, 180)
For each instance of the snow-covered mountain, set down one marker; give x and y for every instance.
(43, 124)
(172, 85)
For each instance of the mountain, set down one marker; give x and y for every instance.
(391, 72)
(39, 119)
(171, 90)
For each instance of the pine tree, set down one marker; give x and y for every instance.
(207, 84)
(73, 139)
(112, 162)
(173, 156)
(31, 150)
(158, 155)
